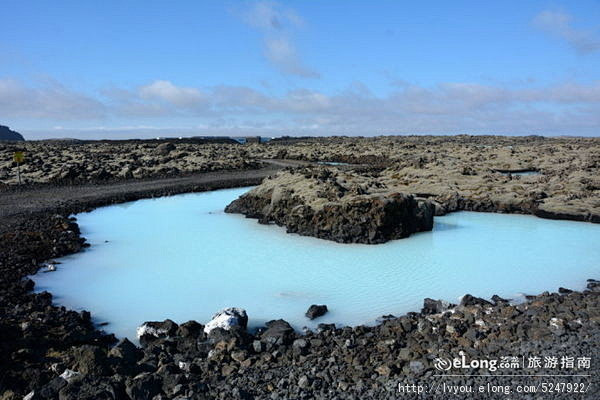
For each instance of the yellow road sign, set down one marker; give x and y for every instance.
(19, 156)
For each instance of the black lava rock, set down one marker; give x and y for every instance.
(431, 306)
(469, 300)
(278, 331)
(499, 300)
(315, 311)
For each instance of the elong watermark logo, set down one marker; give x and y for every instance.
(512, 362)
(445, 364)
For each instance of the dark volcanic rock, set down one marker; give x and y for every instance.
(152, 330)
(190, 329)
(235, 335)
(278, 331)
(53, 387)
(593, 284)
(499, 300)
(92, 388)
(315, 311)
(7, 134)
(164, 149)
(144, 386)
(468, 300)
(431, 306)
(312, 203)
(91, 360)
(126, 351)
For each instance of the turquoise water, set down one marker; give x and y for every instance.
(331, 163)
(522, 173)
(183, 258)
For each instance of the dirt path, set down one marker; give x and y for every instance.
(16, 203)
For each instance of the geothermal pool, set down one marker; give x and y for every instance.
(183, 258)
(522, 173)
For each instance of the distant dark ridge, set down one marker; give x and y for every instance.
(195, 140)
(7, 134)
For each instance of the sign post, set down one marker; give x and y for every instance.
(19, 157)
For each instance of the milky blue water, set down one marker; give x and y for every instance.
(331, 163)
(522, 173)
(183, 258)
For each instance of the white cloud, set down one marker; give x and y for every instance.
(50, 100)
(281, 53)
(559, 24)
(235, 98)
(452, 107)
(156, 99)
(165, 90)
(267, 15)
(276, 24)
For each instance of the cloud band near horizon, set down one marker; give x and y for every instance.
(567, 108)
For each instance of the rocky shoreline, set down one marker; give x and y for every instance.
(50, 352)
(56, 353)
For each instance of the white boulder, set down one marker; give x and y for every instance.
(156, 329)
(227, 318)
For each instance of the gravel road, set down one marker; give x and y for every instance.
(15, 202)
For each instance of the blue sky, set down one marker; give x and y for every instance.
(151, 68)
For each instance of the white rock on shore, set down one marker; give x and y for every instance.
(156, 329)
(227, 318)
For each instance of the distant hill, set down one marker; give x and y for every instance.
(7, 134)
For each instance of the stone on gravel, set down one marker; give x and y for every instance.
(164, 149)
(227, 318)
(91, 360)
(144, 386)
(431, 306)
(92, 388)
(126, 351)
(499, 300)
(593, 284)
(149, 331)
(279, 332)
(468, 300)
(157, 329)
(190, 329)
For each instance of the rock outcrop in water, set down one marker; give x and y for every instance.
(316, 311)
(318, 202)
